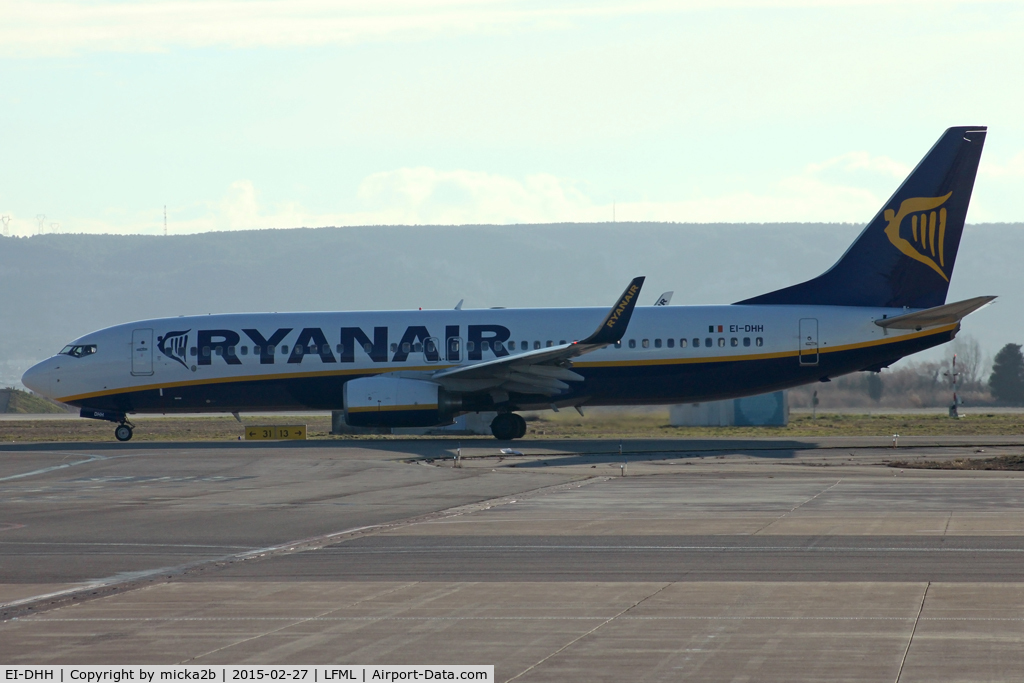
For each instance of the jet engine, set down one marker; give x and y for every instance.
(398, 402)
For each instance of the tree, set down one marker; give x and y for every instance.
(970, 361)
(875, 386)
(1007, 379)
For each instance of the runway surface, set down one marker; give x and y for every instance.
(661, 558)
(702, 560)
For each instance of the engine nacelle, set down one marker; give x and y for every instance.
(397, 402)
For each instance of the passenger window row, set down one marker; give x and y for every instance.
(256, 350)
(417, 347)
(406, 347)
(310, 349)
(525, 345)
(696, 342)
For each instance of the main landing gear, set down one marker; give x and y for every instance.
(123, 432)
(508, 426)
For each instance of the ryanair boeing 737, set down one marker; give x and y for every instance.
(883, 300)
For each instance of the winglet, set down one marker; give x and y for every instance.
(613, 327)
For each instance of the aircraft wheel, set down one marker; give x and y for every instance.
(520, 426)
(123, 433)
(504, 427)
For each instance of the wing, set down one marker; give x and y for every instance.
(542, 371)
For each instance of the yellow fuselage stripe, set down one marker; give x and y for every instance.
(581, 364)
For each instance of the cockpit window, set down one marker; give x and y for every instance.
(79, 350)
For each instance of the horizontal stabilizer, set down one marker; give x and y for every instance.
(940, 315)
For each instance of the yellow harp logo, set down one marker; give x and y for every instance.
(927, 230)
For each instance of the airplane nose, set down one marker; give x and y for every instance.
(39, 378)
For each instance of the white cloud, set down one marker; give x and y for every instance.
(39, 27)
(862, 161)
(431, 196)
(43, 27)
(428, 196)
(240, 210)
(1014, 168)
(795, 199)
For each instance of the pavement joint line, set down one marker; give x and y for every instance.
(128, 581)
(738, 451)
(141, 447)
(593, 630)
(668, 548)
(626, 617)
(795, 507)
(297, 621)
(903, 662)
(131, 545)
(319, 542)
(90, 458)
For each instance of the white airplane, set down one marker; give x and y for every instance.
(883, 300)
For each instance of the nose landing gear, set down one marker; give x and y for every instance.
(508, 426)
(124, 429)
(123, 432)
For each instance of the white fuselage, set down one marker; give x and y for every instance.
(669, 354)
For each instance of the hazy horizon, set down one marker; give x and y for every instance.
(60, 287)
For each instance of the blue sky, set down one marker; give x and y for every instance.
(269, 114)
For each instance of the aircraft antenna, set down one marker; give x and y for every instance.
(6, 220)
(40, 218)
(165, 220)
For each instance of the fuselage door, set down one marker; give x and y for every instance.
(142, 352)
(808, 341)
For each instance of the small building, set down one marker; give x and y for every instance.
(464, 425)
(765, 410)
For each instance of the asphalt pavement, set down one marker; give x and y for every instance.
(704, 560)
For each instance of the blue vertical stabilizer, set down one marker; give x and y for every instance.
(905, 256)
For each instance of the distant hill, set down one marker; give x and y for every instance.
(24, 402)
(54, 288)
